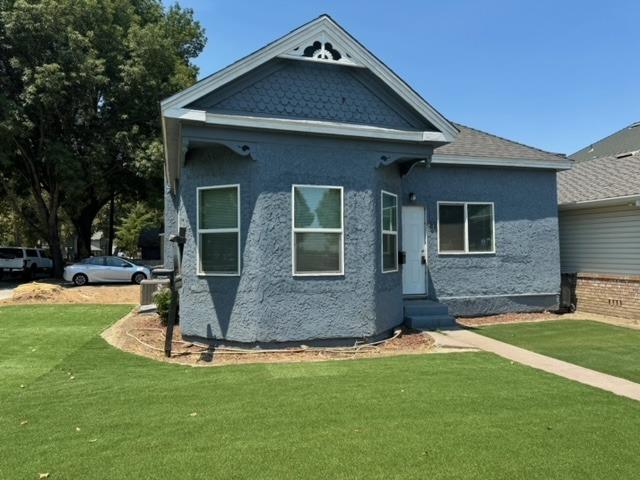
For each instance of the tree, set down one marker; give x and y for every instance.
(139, 218)
(14, 229)
(80, 85)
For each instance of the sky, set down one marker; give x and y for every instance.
(557, 75)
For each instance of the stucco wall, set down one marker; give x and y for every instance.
(524, 273)
(266, 303)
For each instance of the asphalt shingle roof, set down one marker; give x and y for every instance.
(475, 143)
(623, 141)
(600, 179)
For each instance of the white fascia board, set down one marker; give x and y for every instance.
(323, 128)
(360, 56)
(603, 202)
(399, 86)
(242, 66)
(560, 164)
(172, 138)
(304, 126)
(185, 114)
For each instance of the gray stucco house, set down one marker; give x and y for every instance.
(323, 198)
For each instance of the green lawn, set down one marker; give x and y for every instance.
(463, 415)
(605, 348)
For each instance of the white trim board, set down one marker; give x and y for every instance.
(560, 164)
(303, 126)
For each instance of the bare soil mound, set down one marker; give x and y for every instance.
(57, 292)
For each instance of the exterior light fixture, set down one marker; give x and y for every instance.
(412, 197)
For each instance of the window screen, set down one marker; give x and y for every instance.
(466, 228)
(219, 230)
(389, 218)
(317, 230)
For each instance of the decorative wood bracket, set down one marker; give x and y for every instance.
(405, 163)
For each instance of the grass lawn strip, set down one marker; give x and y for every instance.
(467, 415)
(604, 348)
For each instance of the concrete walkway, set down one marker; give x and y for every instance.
(619, 386)
(6, 290)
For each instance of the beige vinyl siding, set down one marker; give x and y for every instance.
(600, 240)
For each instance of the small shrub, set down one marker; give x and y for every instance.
(162, 299)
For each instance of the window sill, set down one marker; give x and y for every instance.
(340, 274)
(466, 253)
(201, 274)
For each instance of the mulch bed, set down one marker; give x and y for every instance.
(143, 334)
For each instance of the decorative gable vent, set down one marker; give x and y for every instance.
(321, 49)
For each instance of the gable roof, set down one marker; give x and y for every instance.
(333, 45)
(284, 88)
(623, 141)
(606, 178)
(477, 146)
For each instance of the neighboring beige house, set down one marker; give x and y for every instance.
(599, 221)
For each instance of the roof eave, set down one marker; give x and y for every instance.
(548, 164)
(602, 202)
(319, 127)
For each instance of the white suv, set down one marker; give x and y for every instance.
(29, 261)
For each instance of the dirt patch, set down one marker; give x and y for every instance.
(547, 317)
(508, 318)
(143, 334)
(632, 323)
(51, 291)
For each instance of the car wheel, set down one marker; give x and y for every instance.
(138, 277)
(80, 279)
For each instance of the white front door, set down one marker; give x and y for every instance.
(414, 244)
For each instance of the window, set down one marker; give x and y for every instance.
(389, 219)
(94, 261)
(32, 252)
(318, 228)
(219, 230)
(117, 262)
(10, 253)
(466, 227)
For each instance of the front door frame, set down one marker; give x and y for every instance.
(424, 252)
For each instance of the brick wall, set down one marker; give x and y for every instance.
(616, 295)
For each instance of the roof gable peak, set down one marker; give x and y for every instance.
(321, 40)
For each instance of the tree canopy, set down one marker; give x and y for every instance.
(80, 86)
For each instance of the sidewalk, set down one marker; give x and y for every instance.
(612, 384)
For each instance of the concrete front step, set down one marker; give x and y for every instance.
(425, 307)
(429, 322)
(427, 314)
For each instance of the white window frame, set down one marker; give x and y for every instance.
(295, 230)
(466, 229)
(384, 232)
(200, 231)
